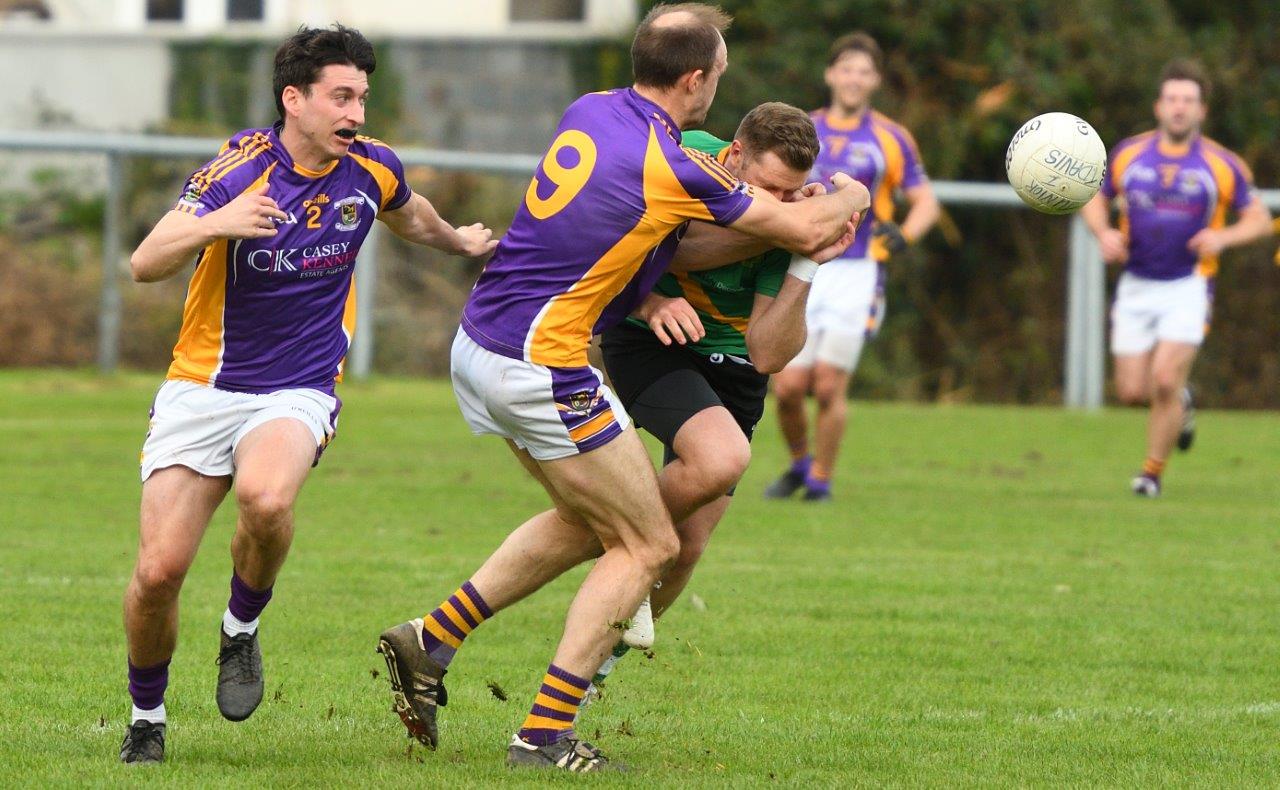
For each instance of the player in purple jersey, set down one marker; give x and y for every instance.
(846, 306)
(274, 223)
(1176, 188)
(599, 224)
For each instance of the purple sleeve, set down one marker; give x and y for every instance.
(1244, 193)
(1108, 179)
(395, 192)
(207, 189)
(709, 189)
(913, 173)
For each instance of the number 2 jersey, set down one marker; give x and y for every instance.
(1171, 194)
(276, 313)
(599, 224)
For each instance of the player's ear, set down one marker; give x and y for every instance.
(693, 80)
(291, 98)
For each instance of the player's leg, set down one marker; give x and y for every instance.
(695, 533)
(615, 489)
(791, 387)
(830, 390)
(711, 454)
(1133, 378)
(1170, 368)
(177, 504)
(273, 454)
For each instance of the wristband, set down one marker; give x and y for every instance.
(802, 269)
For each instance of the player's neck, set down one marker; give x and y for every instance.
(665, 100)
(1170, 140)
(302, 152)
(839, 112)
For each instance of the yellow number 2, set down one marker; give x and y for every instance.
(313, 216)
(569, 181)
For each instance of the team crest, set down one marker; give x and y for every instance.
(348, 213)
(582, 401)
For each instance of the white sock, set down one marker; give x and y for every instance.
(233, 626)
(606, 667)
(155, 715)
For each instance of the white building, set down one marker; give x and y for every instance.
(106, 64)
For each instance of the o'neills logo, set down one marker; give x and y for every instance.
(297, 259)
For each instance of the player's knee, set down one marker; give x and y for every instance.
(1131, 393)
(1165, 385)
(789, 393)
(829, 394)
(158, 578)
(659, 552)
(264, 510)
(732, 460)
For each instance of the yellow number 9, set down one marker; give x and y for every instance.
(569, 181)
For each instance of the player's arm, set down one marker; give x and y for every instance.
(923, 212)
(806, 227)
(776, 331)
(706, 246)
(419, 222)
(1097, 216)
(178, 236)
(1254, 223)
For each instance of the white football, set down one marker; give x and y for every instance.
(1056, 162)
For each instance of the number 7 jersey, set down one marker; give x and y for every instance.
(599, 224)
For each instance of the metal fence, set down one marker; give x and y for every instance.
(1084, 358)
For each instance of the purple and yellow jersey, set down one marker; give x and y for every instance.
(598, 226)
(278, 313)
(874, 150)
(1171, 194)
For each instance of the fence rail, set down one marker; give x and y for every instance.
(1084, 357)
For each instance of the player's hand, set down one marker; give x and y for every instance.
(252, 215)
(1114, 246)
(1208, 242)
(671, 319)
(886, 241)
(836, 248)
(475, 240)
(812, 189)
(844, 182)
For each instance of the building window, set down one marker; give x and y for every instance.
(164, 10)
(244, 10)
(548, 10)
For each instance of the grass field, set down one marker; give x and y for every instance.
(984, 604)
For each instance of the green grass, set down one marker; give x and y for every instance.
(984, 604)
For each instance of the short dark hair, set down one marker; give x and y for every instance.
(857, 41)
(301, 57)
(663, 53)
(785, 130)
(1183, 69)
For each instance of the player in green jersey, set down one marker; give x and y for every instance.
(692, 365)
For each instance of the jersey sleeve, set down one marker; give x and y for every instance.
(387, 170)
(773, 270)
(913, 173)
(703, 189)
(210, 187)
(1243, 191)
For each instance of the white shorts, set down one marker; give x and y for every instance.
(845, 309)
(199, 427)
(1148, 311)
(551, 412)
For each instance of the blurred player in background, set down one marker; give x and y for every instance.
(692, 365)
(1175, 188)
(846, 305)
(599, 224)
(276, 220)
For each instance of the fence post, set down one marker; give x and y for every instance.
(1086, 319)
(109, 309)
(366, 281)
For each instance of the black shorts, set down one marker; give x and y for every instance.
(663, 386)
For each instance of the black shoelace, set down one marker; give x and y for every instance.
(238, 653)
(142, 733)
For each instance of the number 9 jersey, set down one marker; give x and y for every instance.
(599, 224)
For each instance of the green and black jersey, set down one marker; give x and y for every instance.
(723, 297)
